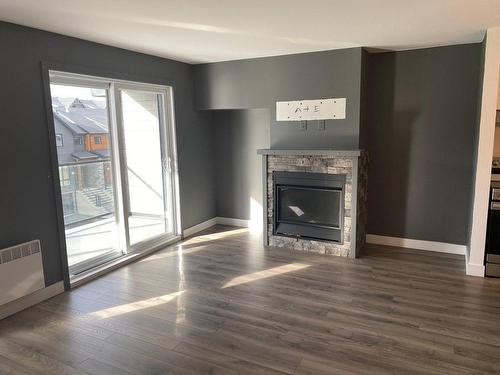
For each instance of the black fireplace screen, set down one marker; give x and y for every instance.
(316, 206)
(309, 205)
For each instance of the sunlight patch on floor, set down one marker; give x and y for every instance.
(134, 306)
(179, 250)
(265, 274)
(180, 316)
(175, 252)
(215, 236)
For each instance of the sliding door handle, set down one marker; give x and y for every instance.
(167, 165)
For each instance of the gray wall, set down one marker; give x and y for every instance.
(259, 83)
(421, 131)
(420, 115)
(240, 133)
(415, 112)
(27, 198)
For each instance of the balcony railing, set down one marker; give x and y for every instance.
(87, 191)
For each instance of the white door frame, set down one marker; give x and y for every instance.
(167, 120)
(167, 133)
(476, 248)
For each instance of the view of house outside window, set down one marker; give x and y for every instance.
(80, 114)
(59, 140)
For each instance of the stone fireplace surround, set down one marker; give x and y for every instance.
(351, 163)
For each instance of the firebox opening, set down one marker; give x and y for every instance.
(309, 205)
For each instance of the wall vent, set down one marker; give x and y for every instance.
(21, 271)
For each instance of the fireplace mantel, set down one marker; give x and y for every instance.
(337, 153)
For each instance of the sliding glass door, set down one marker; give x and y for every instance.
(115, 148)
(87, 177)
(145, 157)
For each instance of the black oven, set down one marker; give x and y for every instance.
(492, 256)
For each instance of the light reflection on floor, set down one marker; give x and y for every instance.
(96, 239)
(271, 272)
(180, 252)
(193, 244)
(134, 306)
(178, 296)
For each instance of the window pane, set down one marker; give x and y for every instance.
(85, 173)
(141, 124)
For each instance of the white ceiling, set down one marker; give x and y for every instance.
(216, 30)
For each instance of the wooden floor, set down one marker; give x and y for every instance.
(221, 304)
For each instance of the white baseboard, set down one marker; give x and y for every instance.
(199, 227)
(31, 299)
(213, 221)
(472, 269)
(233, 222)
(441, 247)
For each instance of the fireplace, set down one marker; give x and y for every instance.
(309, 205)
(315, 200)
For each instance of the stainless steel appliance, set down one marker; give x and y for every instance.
(492, 257)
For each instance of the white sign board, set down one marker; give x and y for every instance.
(319, 109)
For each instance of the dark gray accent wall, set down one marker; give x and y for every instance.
(363, 100)
(421, 130)
(415, 112)
(239, 134)
(27, 201)
(259, 83)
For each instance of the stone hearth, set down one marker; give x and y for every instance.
(352, 164)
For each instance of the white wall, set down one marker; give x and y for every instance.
(475, 255)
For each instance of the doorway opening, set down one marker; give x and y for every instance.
(115, 143)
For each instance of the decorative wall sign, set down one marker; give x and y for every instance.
(319, 109)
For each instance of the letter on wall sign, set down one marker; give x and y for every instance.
(319, 109)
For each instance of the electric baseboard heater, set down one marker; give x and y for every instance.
(21, 271)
